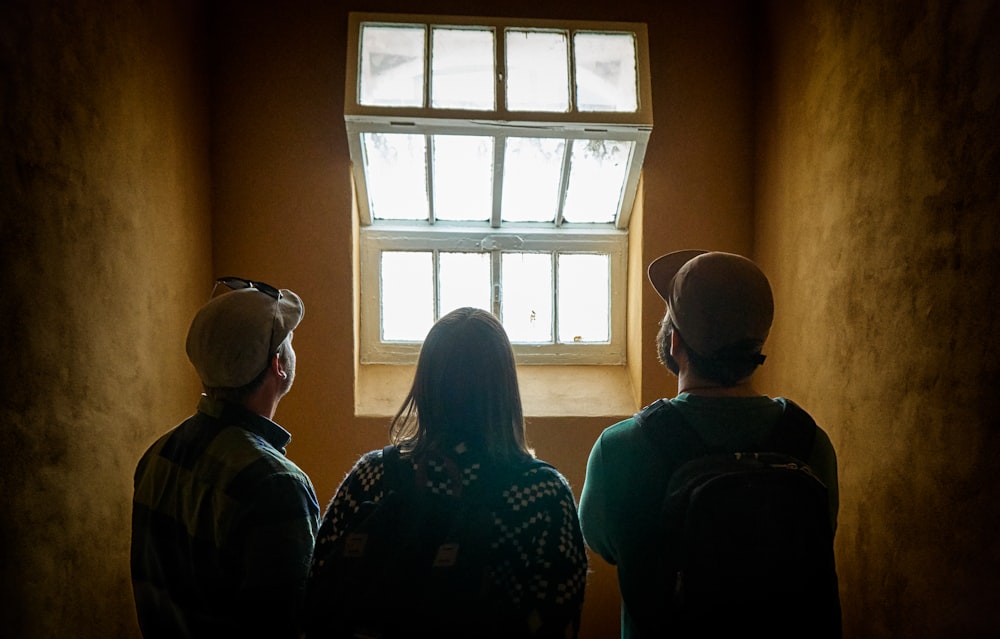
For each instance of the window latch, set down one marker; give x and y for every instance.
(501, 242)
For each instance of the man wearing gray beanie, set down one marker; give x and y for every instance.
(223, 523)
(718, 507)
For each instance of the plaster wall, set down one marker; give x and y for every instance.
(106, 254)
(876, 213)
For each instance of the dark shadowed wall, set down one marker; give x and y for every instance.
(878, 218)
(106, 251)
(148, 147)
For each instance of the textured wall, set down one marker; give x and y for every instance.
(876, 200)
(105, 256)
(877, 211)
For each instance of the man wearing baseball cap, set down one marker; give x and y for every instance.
(719, 309)
(223, 524)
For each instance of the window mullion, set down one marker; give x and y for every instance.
(499, 151)
(427, 67)
(428, 161)
(500, 67)
(571, 75)
(564, 180)
(495, 284)
(436, 275)
(553, 288)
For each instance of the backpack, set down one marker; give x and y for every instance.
(417, 562)
(747, 535)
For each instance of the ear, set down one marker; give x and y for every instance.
(677, 346)
(277, 368)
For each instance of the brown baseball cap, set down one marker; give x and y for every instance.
(717, 301)
(233, 336)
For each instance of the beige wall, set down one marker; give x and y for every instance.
(877, 218)
(106, 252)
(142, 164)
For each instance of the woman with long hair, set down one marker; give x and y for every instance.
(507, 557)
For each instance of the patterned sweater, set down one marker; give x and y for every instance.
(537, 556)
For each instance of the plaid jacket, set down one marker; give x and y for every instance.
(223, 527)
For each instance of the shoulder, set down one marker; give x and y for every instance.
(536, 480)
(542, 472)
(370, 466)
(619, 433)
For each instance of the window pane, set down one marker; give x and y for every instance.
(463, 177)
(584, 298)
(392, 65)
(396, 175)
(464, 280)
(407, 295)
(537, 71)
(462, 69)
(532, 170)
(596, 178)
(606, 77)
(526, 296)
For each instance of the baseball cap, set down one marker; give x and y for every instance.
(717, 301)
(233, 336)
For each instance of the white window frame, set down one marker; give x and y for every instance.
(376, 236)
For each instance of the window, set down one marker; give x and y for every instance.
(495, 164)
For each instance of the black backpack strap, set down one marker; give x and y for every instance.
(493, 481)
(670, 432)
(664, 425)
(794, 433)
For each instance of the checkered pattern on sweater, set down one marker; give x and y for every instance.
(537, 553)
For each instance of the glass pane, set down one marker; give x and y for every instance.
(537, 71)
(463, 177)
(464, 280)
(462, 69)
(596, 178)
(606, 77)
(392, 65)
(407, 287)
(396, 175)
(531, 173)
(584, 298)
(526, 296)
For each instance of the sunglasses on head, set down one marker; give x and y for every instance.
(237, 283)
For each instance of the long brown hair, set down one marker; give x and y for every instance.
(464, 390)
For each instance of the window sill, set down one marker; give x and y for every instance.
(546, 391)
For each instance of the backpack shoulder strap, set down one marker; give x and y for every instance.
(795, 431)
(664, 425)
(490, 484)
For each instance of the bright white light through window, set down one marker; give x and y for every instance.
(526, 286)
(392, 65)
(526, 296)
(462, 69)
(407, 295)
(396, 172)
(464, 280)
(537, 71)
(495, 163)
(532, 170)
(596, 177)
(463, 177)
(605, 72)
(584, 287)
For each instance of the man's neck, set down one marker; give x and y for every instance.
(262, 403)
(694, 385)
